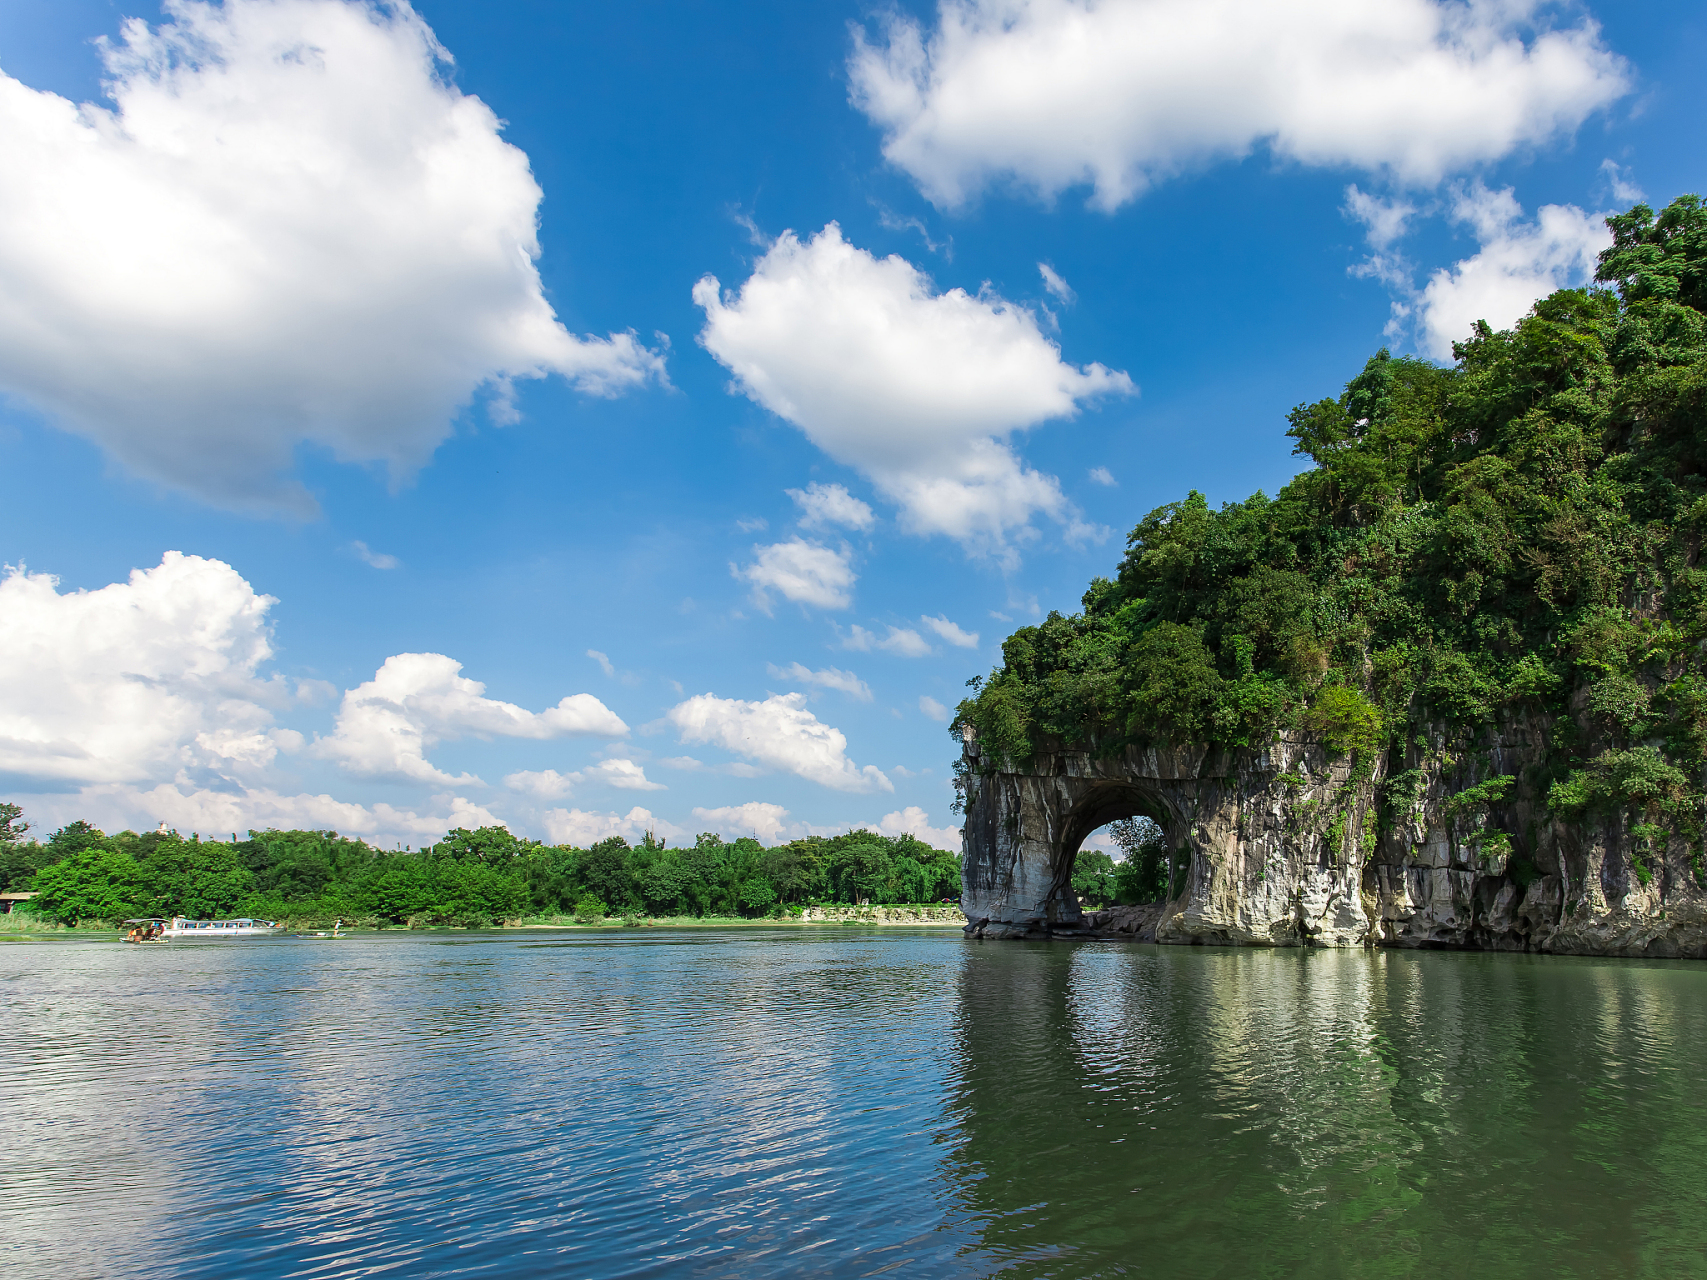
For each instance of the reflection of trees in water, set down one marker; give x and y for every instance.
(1185, 1111)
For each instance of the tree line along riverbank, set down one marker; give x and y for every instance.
(469, 878)
(490, 876)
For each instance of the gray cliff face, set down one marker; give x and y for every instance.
(1285, 846)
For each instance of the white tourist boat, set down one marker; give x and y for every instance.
(180, 928)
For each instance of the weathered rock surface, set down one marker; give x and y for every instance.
(1285, 846)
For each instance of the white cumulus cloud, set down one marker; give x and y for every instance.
(581, 828)
(1121, 94)
(779, 733)
(288, 226)
(951, 632)
(415, 700)
(831, 504)
(932, 709)
(1518, 262)
(542, 784)
(137, 681)
(902, 641)
(801, 571)
(766, 822)
(918, 390)
(624, 775)
(914, 821)
(827, 678)
(258, 808)
(548, 784)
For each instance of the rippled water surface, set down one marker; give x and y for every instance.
(844, 1102)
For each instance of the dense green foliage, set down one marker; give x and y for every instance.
(1141, 875)
(469, 877)
(1518, 532)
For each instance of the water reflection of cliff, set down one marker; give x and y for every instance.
(1193, 1112)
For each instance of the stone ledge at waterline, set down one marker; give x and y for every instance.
(883, 915)
(1284, 846)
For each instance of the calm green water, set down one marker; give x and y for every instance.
(842, 1102)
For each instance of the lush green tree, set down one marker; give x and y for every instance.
(605, 874)
(95, 884)
(860, 870)
(490, 846)
(1520, 529)
(1144, 870)
(20, 858)
(1093, 877)
(197, 878)
(553, 877)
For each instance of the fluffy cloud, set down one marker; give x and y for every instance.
(916, 389)
(548, 784)
(932, 709)
(801, 571)
(1103, 476)
(260, 808)
(831, 504)
(914, 821)
(828, 678)
(414, 700)
(779, 733)
(622, 774)
(140, 680)
(1124, 93)
(951, 632)
(902, 641)
(1517, 263)
(542, 784)
(289, 227)
(755, 818)
(687, 764)
(579, 828)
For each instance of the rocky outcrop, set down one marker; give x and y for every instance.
(1290, 845)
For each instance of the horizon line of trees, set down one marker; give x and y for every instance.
(80, 873)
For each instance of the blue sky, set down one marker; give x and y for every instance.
(274, 310)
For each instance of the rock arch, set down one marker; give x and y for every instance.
(1282, 847)
(1248, 877)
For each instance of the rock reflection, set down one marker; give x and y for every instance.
(1175, 1111)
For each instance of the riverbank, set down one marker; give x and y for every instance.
(937, 916)
(24, 928)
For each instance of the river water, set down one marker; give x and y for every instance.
(845, 1102)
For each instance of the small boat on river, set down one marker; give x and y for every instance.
(182, 929)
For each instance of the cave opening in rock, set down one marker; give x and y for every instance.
(1115, 851)
(1122, 863)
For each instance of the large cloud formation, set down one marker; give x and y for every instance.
(416, 699)
(150, 697)
(779, 733)
(919, 390)
(1124, 93)
(150, 678)
(289, 227)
